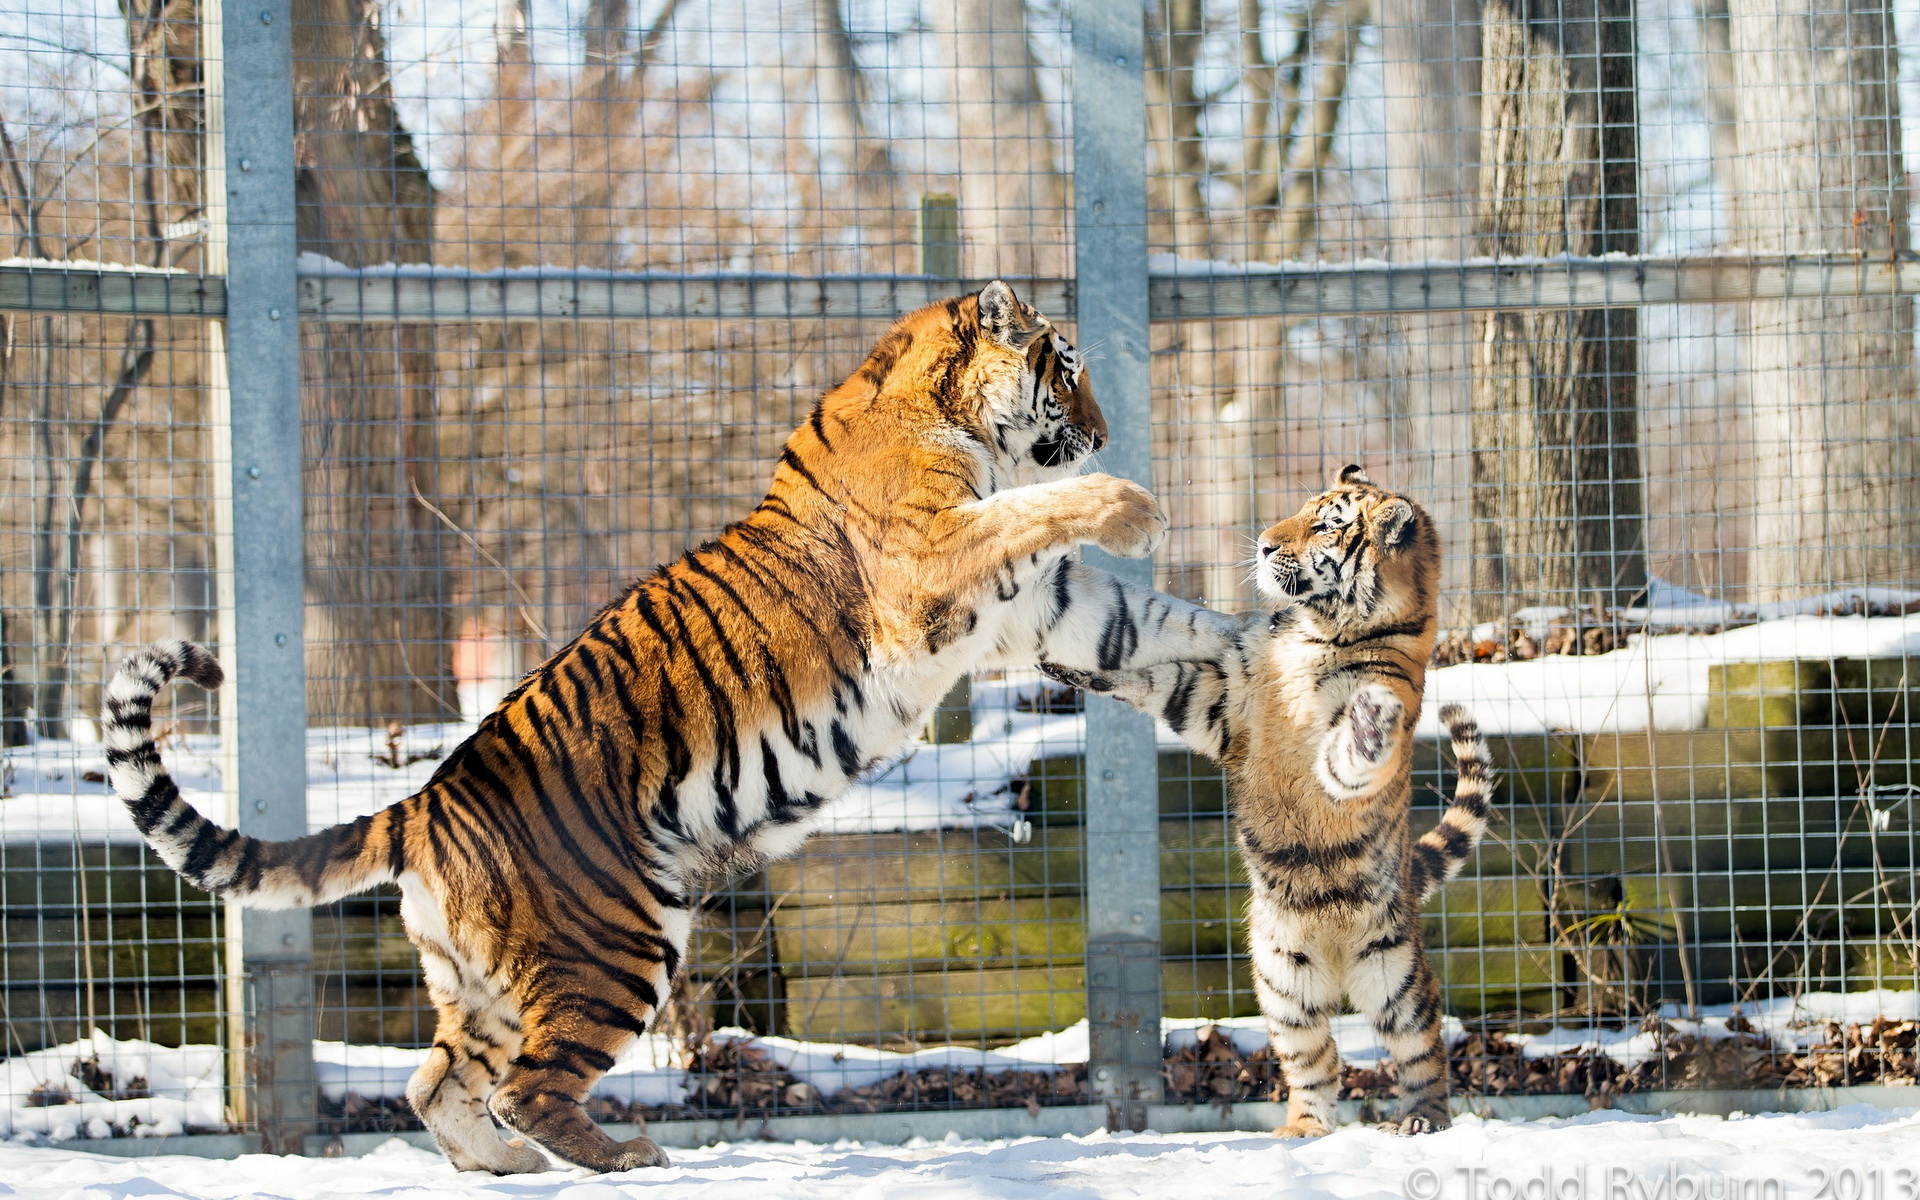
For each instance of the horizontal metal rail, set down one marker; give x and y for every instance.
(433, 295)
(436, 295)
(111, 291)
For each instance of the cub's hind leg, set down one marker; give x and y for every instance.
(1393, 984)
(571, 1038)
(1299, 993)
(449, 1091)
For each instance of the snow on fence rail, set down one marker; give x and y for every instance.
(1179, 290)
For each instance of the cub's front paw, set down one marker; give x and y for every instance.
(1126, 519)
(1373, 717)
(1073, 677)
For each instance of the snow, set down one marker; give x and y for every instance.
(1657, 680)
(1792, 1022)
(88, 264)
(186, 1085)
(186, 1081)
(1598, 1156)
(49, 795)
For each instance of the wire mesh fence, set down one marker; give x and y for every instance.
(1620, 293)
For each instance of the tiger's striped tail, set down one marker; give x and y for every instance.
(259, 874)
(1443, 850)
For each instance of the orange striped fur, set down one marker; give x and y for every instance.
(919, 524)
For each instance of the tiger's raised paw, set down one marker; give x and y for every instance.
(1373, 716)
(1126, 520)
(1086, 681)
(1417, 1124)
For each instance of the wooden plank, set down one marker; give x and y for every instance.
(1497, 979)
(1866, 694)
(1032, 931)
(972, 1004)
(110, 291)
(1207, 987)
(443, 294)
(1189, 785)
(162, 944)
(40, 876)
(1710, 834)
(1497, 911)
(1708, 764)
(1763, 907)
(953, 864)
(869, 939)
(170, 1013)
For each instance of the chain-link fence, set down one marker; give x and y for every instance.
(480, 310)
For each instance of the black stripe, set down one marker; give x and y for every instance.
(790, 459)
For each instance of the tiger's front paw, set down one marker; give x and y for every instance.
(1373, 719)
(1126, 520)
(1072, 677)
(1358, 754)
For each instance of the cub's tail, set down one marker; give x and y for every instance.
(259, 874)
(1443, 850)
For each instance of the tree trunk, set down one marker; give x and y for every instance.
(1556, 464)
(1432, 59)
(376, 648)
(1829, 380)
(853, 151)
(1175, 31)
(1013, 218)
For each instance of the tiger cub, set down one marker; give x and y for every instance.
(1312, 714)
(919, 524)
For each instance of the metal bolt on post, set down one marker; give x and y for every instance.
(1122, 773)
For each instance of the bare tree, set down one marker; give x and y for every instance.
(375, 646)
(860, 155)
(1012, 193)
(1175, 32)
(1224, 381)
(1829, 380)
(1556, 468)
(1431, 52)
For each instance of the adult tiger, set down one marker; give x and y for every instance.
(918, 525)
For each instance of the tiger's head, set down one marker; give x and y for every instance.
(1020, 385)
(1350, 552)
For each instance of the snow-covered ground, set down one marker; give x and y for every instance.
(56, 789)
(185, 1083)
(1854, 1153)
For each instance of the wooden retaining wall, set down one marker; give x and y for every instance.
(1629, 868)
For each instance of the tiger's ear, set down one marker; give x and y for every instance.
(1004, 318)
(1351, 473)
(1394, 524)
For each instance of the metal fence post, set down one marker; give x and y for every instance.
(254, 383)
(937, 238)
(1122, 782)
